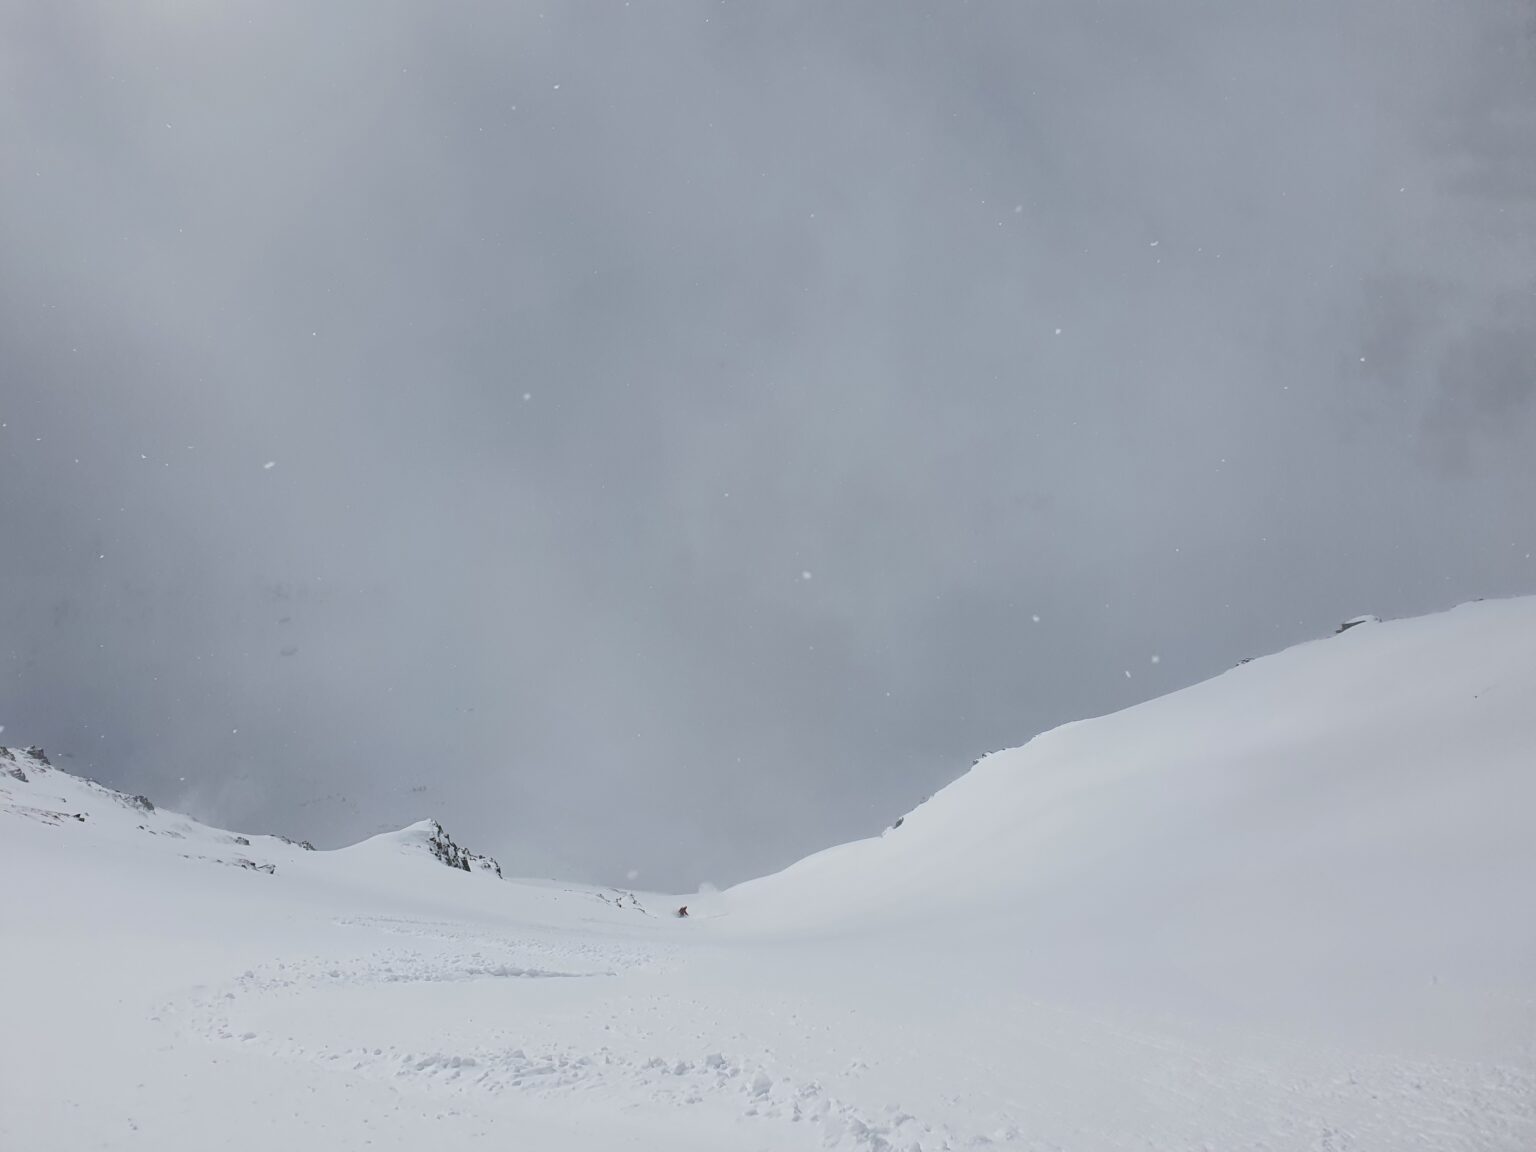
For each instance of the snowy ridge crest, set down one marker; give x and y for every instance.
(29, 765)
(33, 788)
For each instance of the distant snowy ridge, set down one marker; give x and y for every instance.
(35, 789)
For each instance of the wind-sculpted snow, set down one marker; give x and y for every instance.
(1283, 910)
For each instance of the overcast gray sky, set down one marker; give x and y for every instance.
(676, 437)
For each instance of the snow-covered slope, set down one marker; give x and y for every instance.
(1352, 819)
(1289, 908)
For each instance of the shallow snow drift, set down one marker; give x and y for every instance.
(1288, 908)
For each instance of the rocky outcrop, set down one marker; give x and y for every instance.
(443, 847)
(14, 758)
(1355, 622)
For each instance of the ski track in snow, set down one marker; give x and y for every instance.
(1446, 1106)
(241, 1012)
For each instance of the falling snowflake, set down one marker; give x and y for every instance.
(269, 465)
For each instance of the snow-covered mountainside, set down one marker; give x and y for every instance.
(33, 789)
(1289, 908)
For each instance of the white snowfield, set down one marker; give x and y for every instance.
(1290, 908)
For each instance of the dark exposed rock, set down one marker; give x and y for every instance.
(443, 847)
(622, 899)
(38, 754)
(304, 844)
(48, 815)
(238, 862)
(16, 774)
(142, 803)
(1355, 622)
(242, 841)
